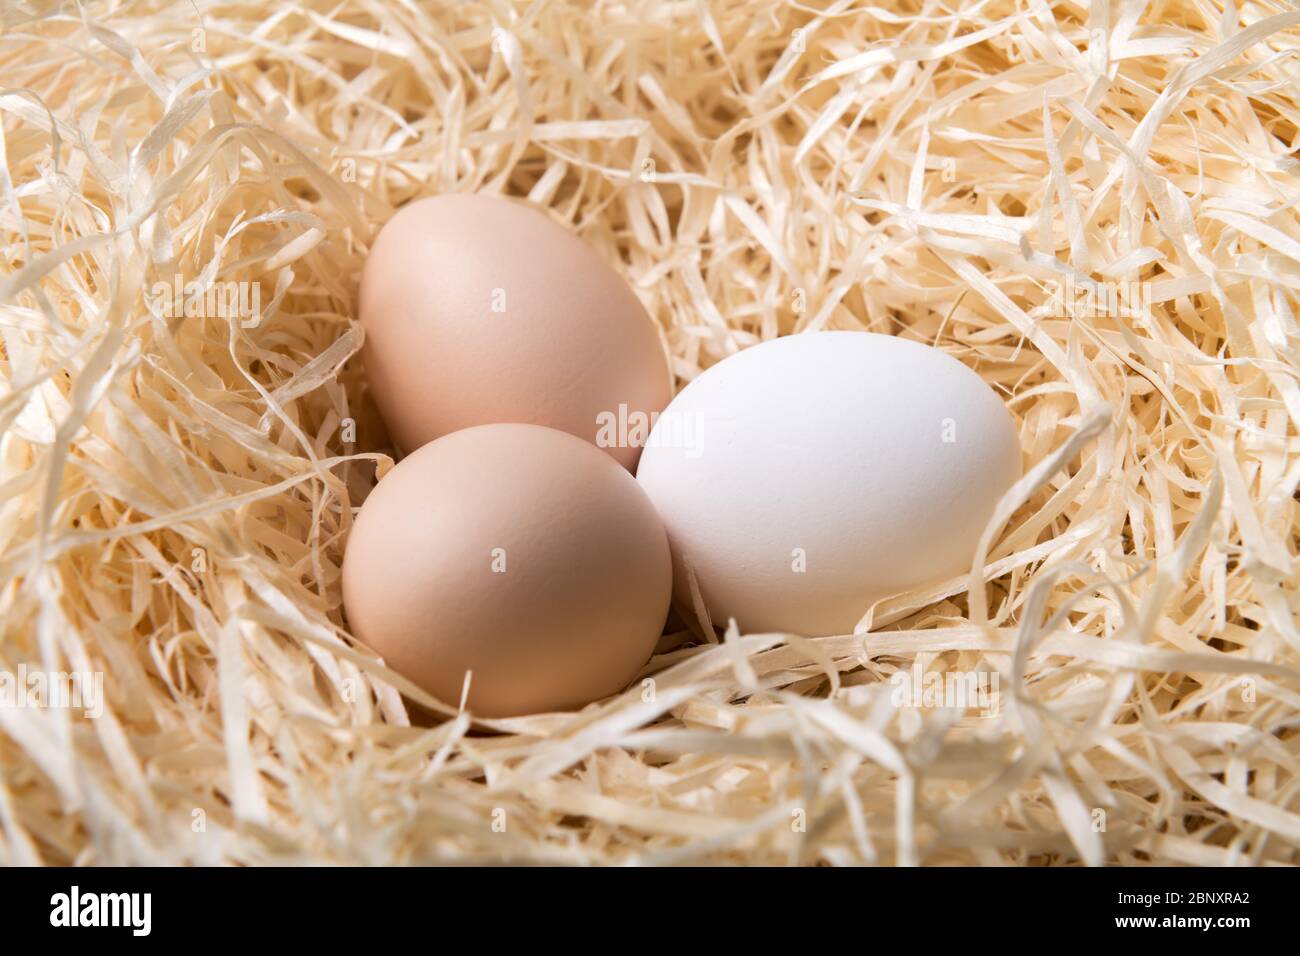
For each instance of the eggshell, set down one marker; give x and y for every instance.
(480, 309)
(805, 477)
(517, 552)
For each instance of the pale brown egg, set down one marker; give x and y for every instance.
(519, 553)
(480, 309)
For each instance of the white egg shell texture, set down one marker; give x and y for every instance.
(806, 477)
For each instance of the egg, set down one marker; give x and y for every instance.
(806, 477)
(480, 309)
(518, 553)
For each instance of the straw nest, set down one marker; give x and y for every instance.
(177, 490)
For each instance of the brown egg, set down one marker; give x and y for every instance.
(480, 309)
(519, 553)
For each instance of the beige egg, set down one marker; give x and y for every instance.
(519, 553)
(481, 309)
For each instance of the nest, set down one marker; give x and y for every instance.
(1093, 205)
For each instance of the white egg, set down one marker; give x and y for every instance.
(806, 477)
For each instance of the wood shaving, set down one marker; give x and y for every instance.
(178, 479)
